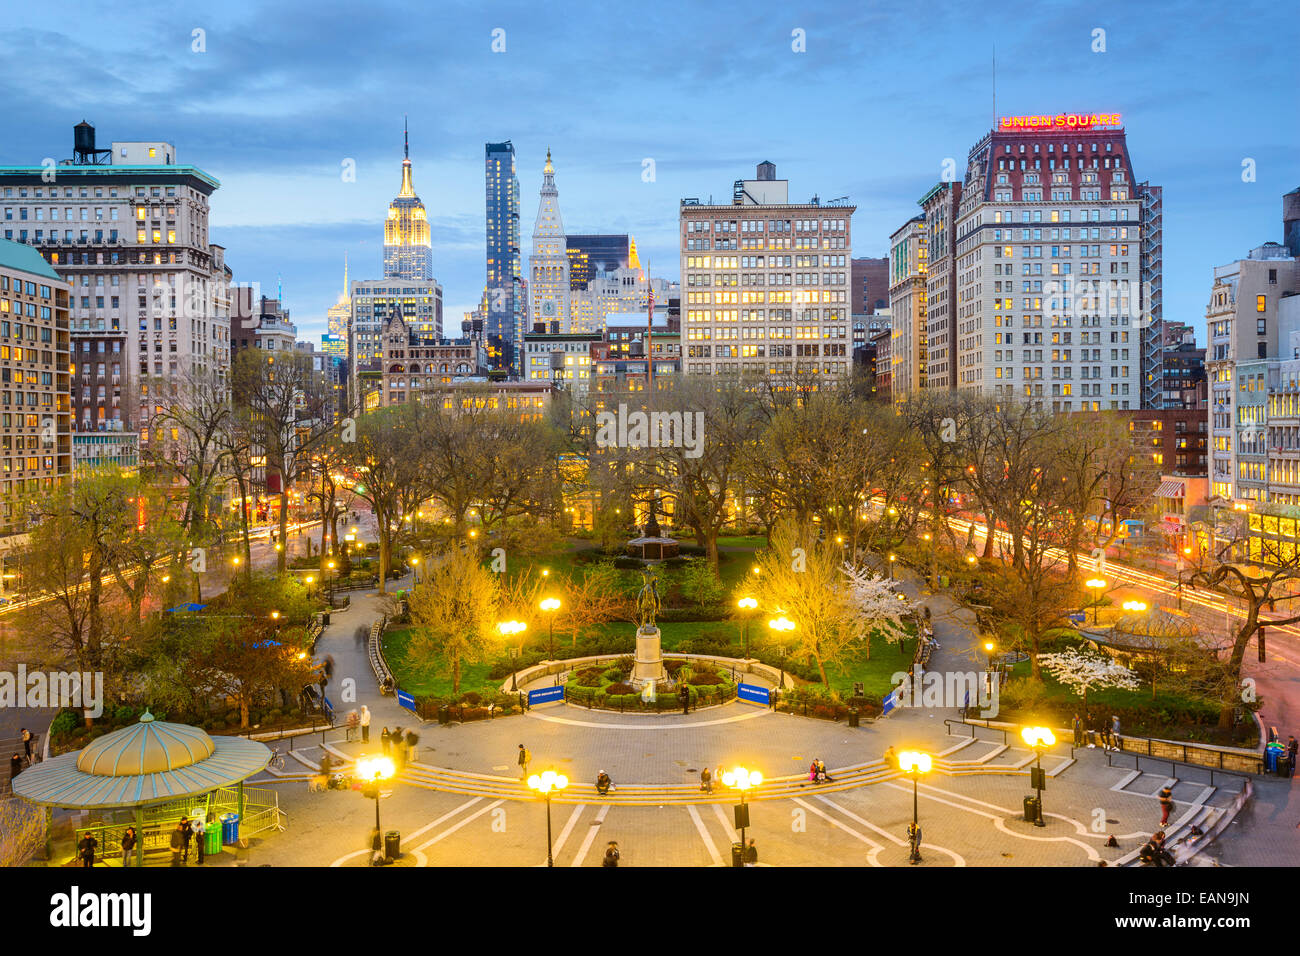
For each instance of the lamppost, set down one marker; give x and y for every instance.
(742, 780)
(330, 565)
(746, 604)
(1037, 738)
(782, 625)
(1096, 584)
(546, 784)
(550, 606)
(914, 763)
(1137, 606)
(372, 770)
(988, 649)
(415, 569)
(1186, 553)
(505, 629)
(892, 559)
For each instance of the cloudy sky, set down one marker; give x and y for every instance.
(281, 97)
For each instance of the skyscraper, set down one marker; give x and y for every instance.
(548, 266)
(408, 252)
(503, 301)
(339, 313)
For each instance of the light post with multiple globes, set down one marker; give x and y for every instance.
(550, 606)
(1038, 738)
(743, 781)
(506, 629)
(746, 604)
(547, 783)
(371, 771)
(782, 625)
(914, 763)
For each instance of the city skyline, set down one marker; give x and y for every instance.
(284, 207)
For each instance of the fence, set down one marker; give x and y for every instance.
(383, 676)
(1198, 755)
(704, 696)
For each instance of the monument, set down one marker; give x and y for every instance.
(648, 664)
(652, 545)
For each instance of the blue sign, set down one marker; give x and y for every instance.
(754, 694)
(1078, 618)
(405, 700)
(546, 695)
(890, 702)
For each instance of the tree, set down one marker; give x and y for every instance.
(877, 607)
(594, 599)
(1082, 672)
(453, 610)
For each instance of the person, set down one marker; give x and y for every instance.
(377, 857)
(326, 765)
(197, 828)
(1114, 732)
(684, 695)
(706, 780)
(384, 740)
(524, 757)
(128, 847)
(365, 724)
(86, 849)
(1166, 858)
(185, 839)
(603, 783)
(328, 666)
(891, 758)
(15, 768)
(1194, 834)
(1166, 804)
(27, 745)
(177, 844)
(1291, 747)
(1078, 730)
(611, 855)
(821, 771)
(812, 772)
(412, 745)
(354, 720)
(395, 745)
(751, 854)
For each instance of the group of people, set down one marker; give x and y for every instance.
(400, 745)
(1155, 853)
(19, 762)
(187, 831)
(817, 772)
(1093, 730)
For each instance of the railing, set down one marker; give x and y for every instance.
(383, 676)
(1004, 731)
(705, 697)
(1195, 755)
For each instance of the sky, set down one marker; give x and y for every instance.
(861, 99)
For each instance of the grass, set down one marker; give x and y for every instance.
(433, 678)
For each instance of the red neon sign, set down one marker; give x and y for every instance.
(1059, 122)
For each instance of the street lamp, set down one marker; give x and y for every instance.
(914, 763)
(551, 605)
(988, 649)
(372, 770)
(1038, 738)
(742, 780)
(330, 565)
(892, 559)
(746, 604)
(1186, 553)
(546, 784)
(782, 625)
(1135, 606)
(415, 569)
(505, 629)
(1096, 584)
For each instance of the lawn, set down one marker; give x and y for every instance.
(432, 679)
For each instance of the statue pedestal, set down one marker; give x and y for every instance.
(648, 664)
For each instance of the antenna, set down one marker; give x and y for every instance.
(995, 86)
(406, 139)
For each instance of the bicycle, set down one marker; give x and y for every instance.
(277, 759)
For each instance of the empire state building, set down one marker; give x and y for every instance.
(408, 253)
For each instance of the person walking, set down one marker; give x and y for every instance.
(86, 849)
(396, 748)
(128, 847)
(611, 855)
(706, 780)
(197, 828)
(365, 724)
(1078, 730)
(524, 758)
(384, 740)
(1291, 751)
(177, 845)
(27, 745)
(1114, 732)
(1166, 804)
(15, 768)
(412, 745)
(186, 836)
(750, 857)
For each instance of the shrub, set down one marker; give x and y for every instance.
(473, 698)
(124, 715)
(614, 690)
(625, 563)
(65, 723)
(588, 677)
(673, 666)
(705, 680)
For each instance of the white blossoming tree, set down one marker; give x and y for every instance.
(874, 605)
(1082, 672)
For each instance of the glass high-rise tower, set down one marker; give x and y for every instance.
(504, 302)
(408, 252)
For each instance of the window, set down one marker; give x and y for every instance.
(1261, 303)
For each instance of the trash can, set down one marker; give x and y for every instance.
(1271, 754)
(853, 717)
(229, 828)
(212, 840)
(393, 845)
(325, 618)
(1031, 809)
(1284, 767)
(444, 716)
(737, 854)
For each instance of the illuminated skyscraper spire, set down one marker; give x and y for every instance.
(408, 252)
(548, 267)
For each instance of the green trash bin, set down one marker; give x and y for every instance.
(211, 839)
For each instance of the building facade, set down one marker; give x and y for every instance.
(416, 363)
(408, 249)
(870, 278)
(374, 302)
(337, 315)
(908, 269)
(766, 283)
(505, 303)
(548, 266)
(941, 206)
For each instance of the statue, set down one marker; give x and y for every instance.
(647, 602)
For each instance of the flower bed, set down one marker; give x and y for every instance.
(608, 689)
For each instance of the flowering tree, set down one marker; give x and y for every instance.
(873, 605)
(1082, 672)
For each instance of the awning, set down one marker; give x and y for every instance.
(1171, 489)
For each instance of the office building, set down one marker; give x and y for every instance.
(941, 205)
(870, 278)
(504, 300)
(408, 250)
(337, 315)
(908, 269)
(374, 302)
(548, 266)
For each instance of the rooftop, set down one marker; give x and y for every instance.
(16, 255)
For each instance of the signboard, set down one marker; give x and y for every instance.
(1078, 618)
(754, 694)
(405, 700)
(1061, 122)
(890, 701)
(546, 695)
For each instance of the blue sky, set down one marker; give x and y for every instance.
(284, 94)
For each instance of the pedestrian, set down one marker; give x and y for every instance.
(1114, 732)
(395, 745)
(706, 780)
(1166, 804)
(524, 758)
(751, 854)
(384, 740)
(1078, 730)
(812, 772)
(329, 666)
(353, 722)
(177, 844)
(186, 836)
(891, 758)
(377, 857)
(128, 847)
(821, 771)
(1291, 752)
(326, 765)
(684, 695)
(15, 768)
(365, 724)
(611, 855)
(27, 745)
(86, 849)
(412, 745)
(197, 828)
